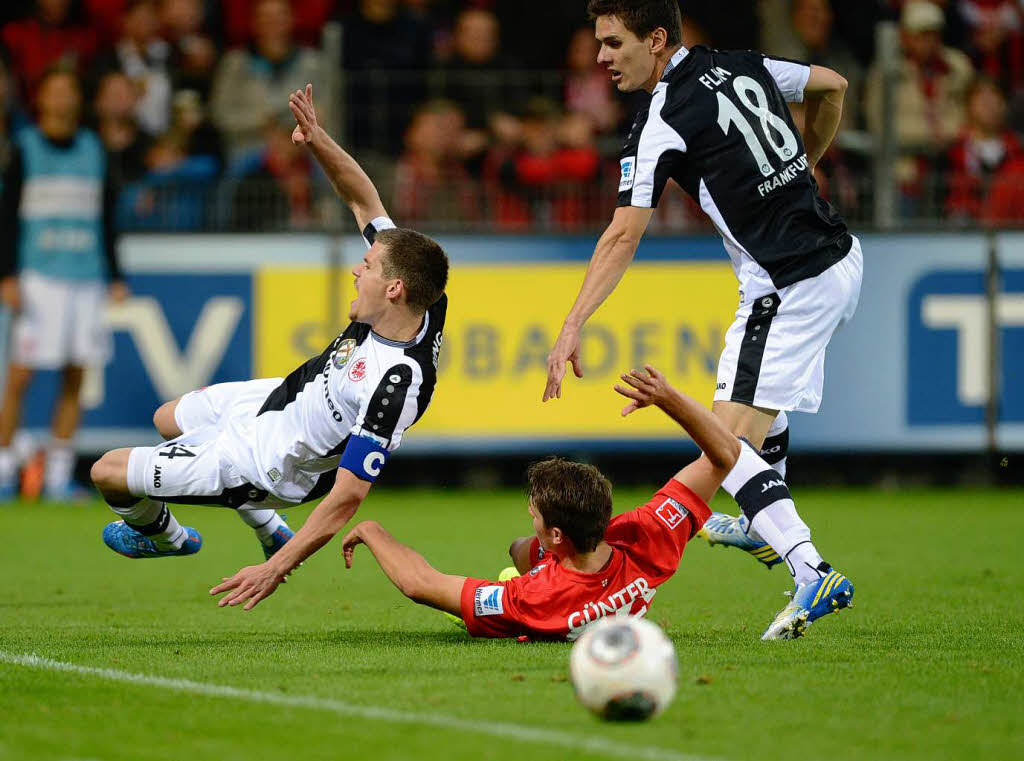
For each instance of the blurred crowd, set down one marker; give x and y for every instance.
(491, 114)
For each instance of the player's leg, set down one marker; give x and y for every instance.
(60, 453)
(40, 340)
(269, 526)
(147, 527)
(18, 379)
(209, 407)
(783, 529)
(775, 447)
(165, 422)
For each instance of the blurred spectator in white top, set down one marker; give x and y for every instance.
(588, 89)
(142, 55)
(932, 83)
(251, 86)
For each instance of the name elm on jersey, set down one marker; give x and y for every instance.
(784, 177)
(715, 77)
(637, 589)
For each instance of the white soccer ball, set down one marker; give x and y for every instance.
(624, 668)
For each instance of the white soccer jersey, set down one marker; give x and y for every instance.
(352, 403)
(273, 442)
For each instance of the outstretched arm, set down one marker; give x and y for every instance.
(718, 443)
(254, 583)
(407, 569)
(612, 256)
(348, 178)
(824, 94)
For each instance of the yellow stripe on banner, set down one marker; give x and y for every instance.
(821, 589)
(492, 351)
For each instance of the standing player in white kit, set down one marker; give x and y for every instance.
(326, 429)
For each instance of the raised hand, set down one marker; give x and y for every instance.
(306, 124)
(643, 388)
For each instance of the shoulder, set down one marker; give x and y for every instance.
(425, 352)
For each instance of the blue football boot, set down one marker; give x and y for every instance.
(829, 594)
(124, 540)
(726, 530)
(277, 540)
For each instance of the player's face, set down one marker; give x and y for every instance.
(59, 100)
(627, 57)
(371, 287)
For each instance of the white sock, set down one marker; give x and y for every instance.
(776, 443)
(763, 496)
(263, 520)
(781, 527)
(153, 519)
(8, 465)
(60, 463)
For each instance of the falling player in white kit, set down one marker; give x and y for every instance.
(326, 429)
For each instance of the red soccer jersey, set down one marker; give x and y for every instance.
(553, 602)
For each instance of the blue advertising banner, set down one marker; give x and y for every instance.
(909, 373)
(175, 333)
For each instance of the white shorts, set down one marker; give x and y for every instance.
(200, 466)
(212, 405)
(62, 322)
(774, 353)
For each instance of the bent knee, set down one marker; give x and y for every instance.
(165, 422)
(109, 474)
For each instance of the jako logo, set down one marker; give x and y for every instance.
(156, 477)
(770, 484)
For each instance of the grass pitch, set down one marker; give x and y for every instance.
(337, 664)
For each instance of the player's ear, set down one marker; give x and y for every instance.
(557, 537)
(658, 39)
(395, 290)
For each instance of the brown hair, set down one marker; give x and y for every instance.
(418, 261)
(573, 497)
(642, 17)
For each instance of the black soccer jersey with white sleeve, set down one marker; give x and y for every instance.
(718, 125)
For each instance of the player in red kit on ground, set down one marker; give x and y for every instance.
(582, 564)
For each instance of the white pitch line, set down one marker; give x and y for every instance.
(519, 732)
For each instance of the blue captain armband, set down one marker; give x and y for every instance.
(364, 457)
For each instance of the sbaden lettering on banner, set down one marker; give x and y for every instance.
(486, 351)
